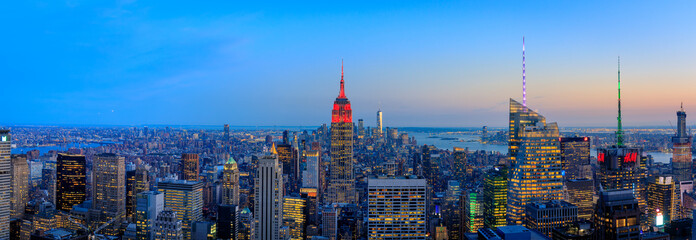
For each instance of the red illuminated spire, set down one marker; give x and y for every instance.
(342, 94)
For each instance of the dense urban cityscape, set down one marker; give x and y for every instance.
(100, 136)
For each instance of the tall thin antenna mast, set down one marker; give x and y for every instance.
(619, 130)
(524, 77)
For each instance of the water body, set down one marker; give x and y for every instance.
(449, 141)
(63, 147)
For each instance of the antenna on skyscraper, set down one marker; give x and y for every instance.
(524, 77)
(619, 130)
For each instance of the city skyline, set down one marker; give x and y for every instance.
(423, 64)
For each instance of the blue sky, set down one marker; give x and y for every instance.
(444, 63)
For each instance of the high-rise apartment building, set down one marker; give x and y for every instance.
(617, 216)
(268, 199)
(20, 185)
(545, 216)
(535, 166)
(380, 128)
(186, 199)
(662, 201)
(108, 190)
(341, 187)
(71, 181)
(580, 192)
(5, 183)
(148, 205)
(575, 156)
(396, 208)
(495, 187)
(190, 168)
(681, 150)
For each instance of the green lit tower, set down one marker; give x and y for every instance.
(495, 198)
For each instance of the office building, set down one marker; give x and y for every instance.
(681, 150)
(268, 199)
(495, 198)
(341, 187)
(620, 169)
(396, 208)
(295, 216)
(230, 183)
(287, 156)
(148, 205)
(535, 163)
(472, 211)
(575, 156)
(186, 199)
(108, 190)
(580, 192)
(460, 164)
(168, 226)
(662, 201)
(617, 215)
(310, 176)
(226, 137)
(71, 181)
(246, 224)
(581, 230)
(190, 168)
(227, 222)
(545, 216)
(20, 185)
(5, 183)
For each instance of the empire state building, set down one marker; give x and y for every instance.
(341, 187)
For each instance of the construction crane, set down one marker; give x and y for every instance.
(93, 231)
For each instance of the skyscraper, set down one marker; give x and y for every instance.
(20, 185)
(545, 216)
(186, 199)
(310, 176)
(268, 199)
(230, 183)
(288, 157)
(227, 132)
(575, 156)
(168, 226)
(379, 123)
(295, 216)
(579, 192)
(535, 166)
(495, 198)
(148, 205)
(662, 201)
(190, 168)
(5, 183)
(109, 190)
(681, 146)
(227, 223)
(472, 214)
(71, 181)
(342, 178)
(396, 208)
(617, 216)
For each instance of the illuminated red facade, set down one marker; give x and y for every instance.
(341, 108)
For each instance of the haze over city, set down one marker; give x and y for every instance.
(443, 64)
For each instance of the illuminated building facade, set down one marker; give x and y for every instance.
(295, 216)
(268, 199)
(460, 164)
(396, 208)
(5, 183)
(109, 190)
(535, 166)
(620, 169)
(341, 187)
(575, 156)
(617, 216)
(287, 155)
(380, 128)
(168, 226)
(472, 213)
(190, 168)
(20, 185)
(662, 201)
(545, 216)
(495, 190)
(186, 199)
(579, 192)
(148, 205)
(681, 150)
(230, 183)
(71, 181)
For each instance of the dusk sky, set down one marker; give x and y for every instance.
(430, 64)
